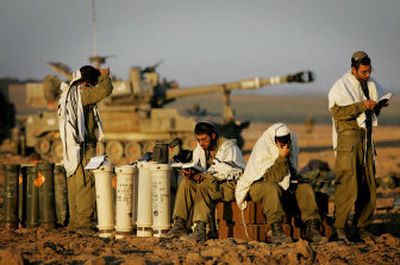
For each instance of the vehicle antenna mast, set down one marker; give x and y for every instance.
(94, 37)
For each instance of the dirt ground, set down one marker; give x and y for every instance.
(36, 246)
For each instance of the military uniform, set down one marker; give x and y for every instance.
(352, 142)
(271, 178)
(81, 186)
(276, 201)
(354, 168)
(201, 197)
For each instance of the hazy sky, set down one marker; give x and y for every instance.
(204, 41)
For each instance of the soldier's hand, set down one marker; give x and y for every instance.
(187, 173)
(370, 104)
(105, 71)
(284, 149)
(198, 177)
(383, 103)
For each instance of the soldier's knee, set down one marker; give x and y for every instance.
(272, 189)
(272, 186)
(305, 188)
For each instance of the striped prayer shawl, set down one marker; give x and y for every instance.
(72, 126)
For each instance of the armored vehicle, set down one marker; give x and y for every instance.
(7, 110)
(135, 116)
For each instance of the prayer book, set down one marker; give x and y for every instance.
(97, 161)
(385, 98)
(192, 165)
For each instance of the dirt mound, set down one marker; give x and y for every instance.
(58, 246)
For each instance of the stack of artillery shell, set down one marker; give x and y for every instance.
(45, 182)
(61, 196)
(32, 198)
(10, 196)
(105, 209)
(144, 211)
(22, 180)
(123, 218)
(34, 195)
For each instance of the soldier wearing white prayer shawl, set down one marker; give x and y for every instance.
(200, 191)
(270, 177)
(78, 122)
(353, 104)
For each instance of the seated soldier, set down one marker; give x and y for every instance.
(270, 177)
(199, 191)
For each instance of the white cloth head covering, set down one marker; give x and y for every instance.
(282, 131)
(262, 157)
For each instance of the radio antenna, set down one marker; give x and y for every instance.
(94, 36)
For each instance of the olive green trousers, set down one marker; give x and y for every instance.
(201, 198)
(82, 194)
(355, 180)
(276, 201)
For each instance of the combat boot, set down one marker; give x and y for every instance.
(278, 236)
(178, 230)
(198, 235)
(364, 235)
(340, 235)
(85, 231)
(312, 231)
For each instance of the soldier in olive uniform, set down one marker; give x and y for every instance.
(353, 104)
(271, 178)
(200, 191)
(79, 124)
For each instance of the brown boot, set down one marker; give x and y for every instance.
(278, 236)
(364, 235)
(340, 235)
(198, 235)
(178, 230)
(312, 231)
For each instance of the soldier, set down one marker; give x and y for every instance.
(353, 104)
(199, 191)
(270, 177)
(78, 122)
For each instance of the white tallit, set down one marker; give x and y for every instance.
(228, 163)
(71, 122)
(346, 91)
(262, 157)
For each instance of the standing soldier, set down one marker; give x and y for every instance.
(353, 104)
(79, 123)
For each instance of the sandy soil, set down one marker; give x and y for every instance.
(36, 246)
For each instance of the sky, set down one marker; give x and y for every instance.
(205, 42)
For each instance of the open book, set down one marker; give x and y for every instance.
(192, 165)
(385, 98)
(97, 161)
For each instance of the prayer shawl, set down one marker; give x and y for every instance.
(228, 163)
(72, 124)
(346, 91)
(262, 157)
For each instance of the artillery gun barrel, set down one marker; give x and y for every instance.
(245, 84)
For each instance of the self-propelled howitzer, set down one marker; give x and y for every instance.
(135, 115)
